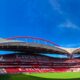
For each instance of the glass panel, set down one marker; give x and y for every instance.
(56, 55)
(7, 52)
(76, 55)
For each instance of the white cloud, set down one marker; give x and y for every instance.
(56, 6)
(68, 24)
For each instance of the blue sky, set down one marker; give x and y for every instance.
(55, 20)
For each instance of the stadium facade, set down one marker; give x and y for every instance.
(33, 55)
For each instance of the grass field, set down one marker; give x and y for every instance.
(42, 76)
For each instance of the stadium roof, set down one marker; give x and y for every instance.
(34, 47)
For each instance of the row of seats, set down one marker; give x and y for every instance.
(34, 70)
(37, 70)
(36, 65)
(28, 58)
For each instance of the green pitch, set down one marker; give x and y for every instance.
(43, 76)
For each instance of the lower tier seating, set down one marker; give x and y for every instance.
(34, 70)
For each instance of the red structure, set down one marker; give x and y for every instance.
(29, 56)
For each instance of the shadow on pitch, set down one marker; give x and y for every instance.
(4, 77)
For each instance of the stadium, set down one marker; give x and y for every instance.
(37, 59)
